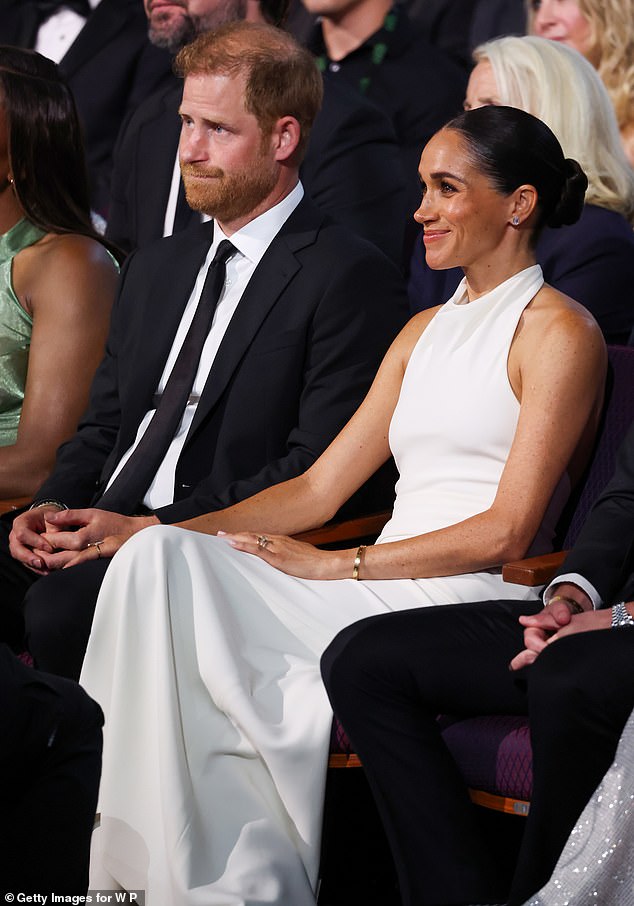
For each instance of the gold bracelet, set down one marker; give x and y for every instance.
(357, 562)
(575, 606)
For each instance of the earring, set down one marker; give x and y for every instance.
(515, 220)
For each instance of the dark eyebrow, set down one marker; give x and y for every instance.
(444, 174)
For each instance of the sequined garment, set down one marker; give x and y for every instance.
(597, 864)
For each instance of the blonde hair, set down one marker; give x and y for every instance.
(611, 49)
(558, 85)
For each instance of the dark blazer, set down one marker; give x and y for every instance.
(592, 261)
(110, 67)
(604, 551)
(351, 170)
(296, 361)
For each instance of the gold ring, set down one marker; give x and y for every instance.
(96, 544)
(263, 541)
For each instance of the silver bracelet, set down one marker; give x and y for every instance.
(38, 503)
(621, 616)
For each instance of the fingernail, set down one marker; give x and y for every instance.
(37, 564)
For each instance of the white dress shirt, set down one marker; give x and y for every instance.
(58, 32)
(251, 242)
(580, 582)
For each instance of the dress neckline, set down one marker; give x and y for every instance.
(520, 280)
(19, 236)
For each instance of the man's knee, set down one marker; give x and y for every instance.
(58, 612)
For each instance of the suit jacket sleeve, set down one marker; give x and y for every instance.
(354, 323)
(604, 551)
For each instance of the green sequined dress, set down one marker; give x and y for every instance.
(15, 331)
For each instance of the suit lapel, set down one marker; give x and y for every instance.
(269, 280)
(159, 145)
(104, 22)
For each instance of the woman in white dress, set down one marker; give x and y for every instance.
(205, 650)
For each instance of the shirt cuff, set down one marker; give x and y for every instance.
(580, 582)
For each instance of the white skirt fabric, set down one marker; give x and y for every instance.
(206, 662)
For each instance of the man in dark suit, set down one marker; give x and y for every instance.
(109, 65)
(389, 678)
(351, 169)
(50, 762)
(304, 318)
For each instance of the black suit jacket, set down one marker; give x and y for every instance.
(351, 170)
(604, 551)
(295, 362)
(111, 67)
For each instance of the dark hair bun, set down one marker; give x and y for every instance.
(570, 205)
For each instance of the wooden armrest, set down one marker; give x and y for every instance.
(533, 570)
(13, 503)
(349, 530)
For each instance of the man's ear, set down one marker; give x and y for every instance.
(286, 137)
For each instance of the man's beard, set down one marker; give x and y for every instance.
(173, 33)
(228, 197)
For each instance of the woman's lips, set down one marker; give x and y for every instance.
(433, 235)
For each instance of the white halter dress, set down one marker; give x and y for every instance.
(206, 659)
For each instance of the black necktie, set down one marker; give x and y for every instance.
(46, 8)
(129, 487)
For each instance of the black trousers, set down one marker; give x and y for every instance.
(388, 678)
(50, 615)
(50, 762)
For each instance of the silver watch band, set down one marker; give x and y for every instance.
(620, 616)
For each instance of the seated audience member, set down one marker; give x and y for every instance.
(183, 420)
(50, 760)
(593, 261)
(374, 47)
(103, 52)
(209, 646)
(604, 34)
(453, 26)
(351, 169)
(57, 281)
(389, 678)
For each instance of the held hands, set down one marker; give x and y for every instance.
(555, 621)
(295, 558)
(47, 539)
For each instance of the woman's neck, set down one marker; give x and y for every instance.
(483, 277)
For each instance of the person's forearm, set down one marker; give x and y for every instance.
(286, 508)
(22, 471)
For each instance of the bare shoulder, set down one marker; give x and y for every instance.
(555, 321)
(64, 269)
(64, 250)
